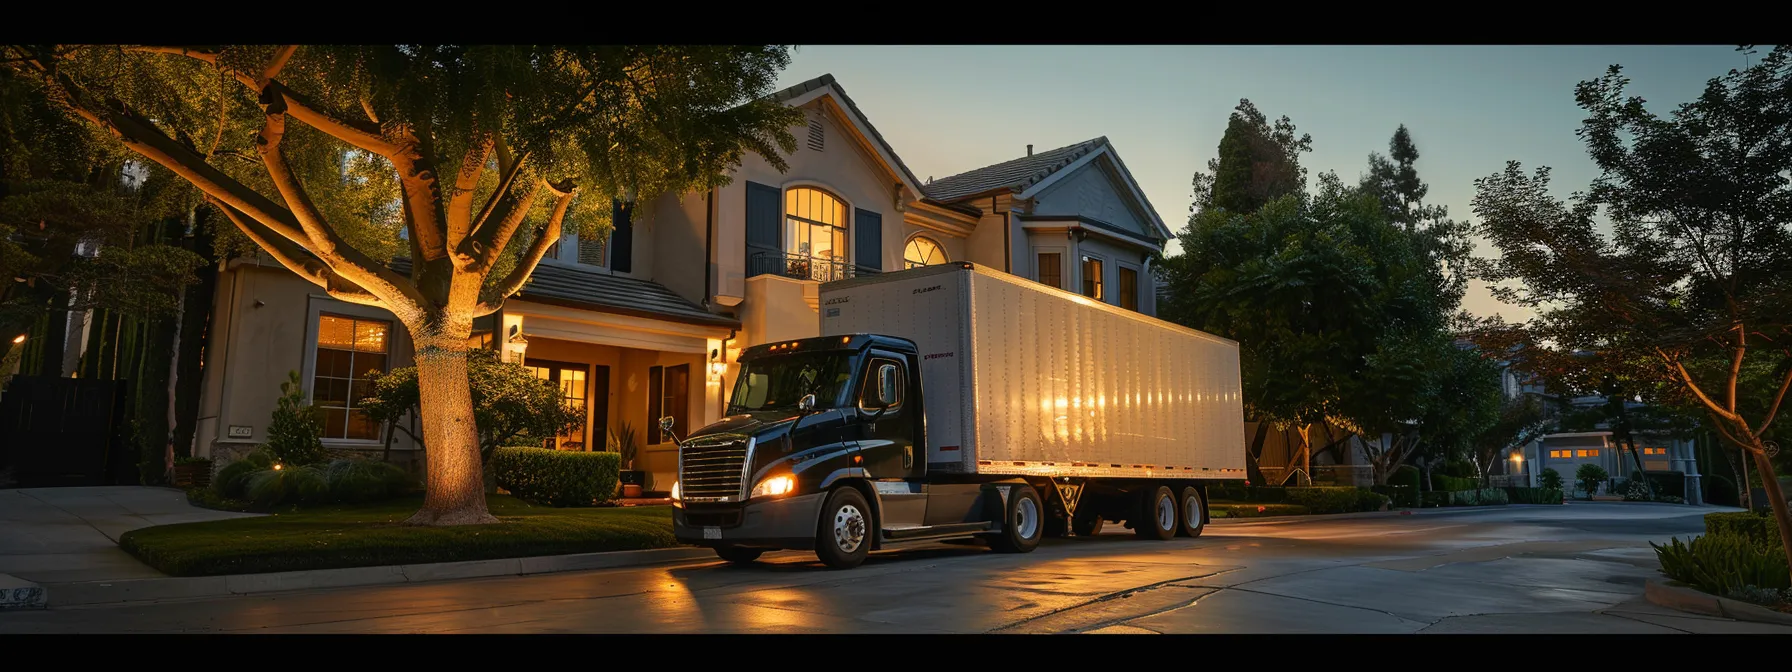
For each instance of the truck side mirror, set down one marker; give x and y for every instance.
(886, 386)
(806, 404)
(666, 424)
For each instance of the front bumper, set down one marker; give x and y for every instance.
(784, 523)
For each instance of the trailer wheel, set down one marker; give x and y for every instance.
(1086, 524)
(843, 538)
(1191, 516)
(738, 555)
(1157, 515)
(1023, 522)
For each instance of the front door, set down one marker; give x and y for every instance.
(575, 391)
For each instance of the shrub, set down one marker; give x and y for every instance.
(1670, 499)
(1719, 563)
(233, 480)
(1448, 483)
(1399, 495)
(1460, 469)
(1260, 510)
(1406, 476)
(1370, 500)
(356, 481)
(557, 477)
(1550, 478)
(1534, 495)
(1266, 494)
(1324, 500)
(294, 434)
(1434, 499)
(1766, 597)
(295, 485)
(1636, 491)
(1589, 476)
(1232, 491)
(1484, 497)
(1759, 528)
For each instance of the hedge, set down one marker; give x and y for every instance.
(1400, 495)
(1486, 497)
(1518, 495)
(1406, 476)
(1757, 527)
(1258, 510)
(1454, 484)
(557, 477)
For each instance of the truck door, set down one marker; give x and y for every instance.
(886, 433)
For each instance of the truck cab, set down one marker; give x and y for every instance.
(823, 448)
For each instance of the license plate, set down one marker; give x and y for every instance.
(712, 533)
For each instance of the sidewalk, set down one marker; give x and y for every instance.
(60, 535)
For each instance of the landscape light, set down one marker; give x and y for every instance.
(18, 339)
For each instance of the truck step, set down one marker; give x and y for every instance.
(936, 530)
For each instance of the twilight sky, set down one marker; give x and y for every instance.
(949, 109)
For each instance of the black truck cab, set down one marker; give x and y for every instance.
(823, 447)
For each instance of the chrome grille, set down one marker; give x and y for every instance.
(712, 472)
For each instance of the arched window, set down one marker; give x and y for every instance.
(815, 233)
(923, 251)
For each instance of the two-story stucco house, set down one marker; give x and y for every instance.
(648, 322)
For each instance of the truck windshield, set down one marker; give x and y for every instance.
(778, 382)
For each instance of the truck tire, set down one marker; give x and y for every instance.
(843, 538)
(738, 555)
(1023, 522)
(1157, 515)
(1086, 524)
(1191, 515)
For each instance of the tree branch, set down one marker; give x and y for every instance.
(460, 203)
(275, 64)
(1736, 364)
(1694, 387)
(1773, 410)
(422, 194)
(481, 249)
(526, 265)
(295, 258)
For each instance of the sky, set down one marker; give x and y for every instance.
(949, 109)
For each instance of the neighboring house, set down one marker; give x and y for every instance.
(649, 321)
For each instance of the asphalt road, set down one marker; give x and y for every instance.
(1578, 568)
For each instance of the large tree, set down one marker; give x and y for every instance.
(490, 148)
(1258, 162)
(1692, 280)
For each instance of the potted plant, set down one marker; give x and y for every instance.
(633, 480)
(192, 472)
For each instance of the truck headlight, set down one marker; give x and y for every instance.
(675, 491)
(774, 487)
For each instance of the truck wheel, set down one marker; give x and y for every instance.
(844, 537)
(1157, 515)
(1023, 523)
(1192, 515)
(738, 555)
(1086, 524)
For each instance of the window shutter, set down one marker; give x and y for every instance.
(622, 237)
(654, 401)
(869, 231)
(764, 209)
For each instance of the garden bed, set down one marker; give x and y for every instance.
(372, 535)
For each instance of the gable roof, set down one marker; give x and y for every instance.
(827, 82)
(1017, 174)
(1030, 173)
(605, 293)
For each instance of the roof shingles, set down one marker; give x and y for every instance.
(596, 290)
(1017, 174)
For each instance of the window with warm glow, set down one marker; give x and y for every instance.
(923, 251)
(1051, 270)
(350, 351)
(1587, 453)
(1561, 453)
(815, 230)
(1129, 289)
(1092, 278)
(1655, 451)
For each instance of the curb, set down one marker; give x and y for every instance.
(1694, 601)
(1433, 511)
(174, 588)
(17, 593)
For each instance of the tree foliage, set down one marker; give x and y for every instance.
(1258, 162)
(1684, 285)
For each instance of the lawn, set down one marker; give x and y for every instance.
(370, 535)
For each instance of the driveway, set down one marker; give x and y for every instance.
(60, 535)
(1577, 568)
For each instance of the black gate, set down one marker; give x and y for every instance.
(65, 431)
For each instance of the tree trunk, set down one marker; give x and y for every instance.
(1637, 459)
(455, 493)
(1776, 497)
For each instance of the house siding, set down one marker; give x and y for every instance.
(1092, 191)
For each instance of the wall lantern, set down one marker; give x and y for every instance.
(716, 367)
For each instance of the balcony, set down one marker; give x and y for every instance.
(800, 267)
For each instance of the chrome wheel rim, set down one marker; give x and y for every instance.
(1166, 514)
(1192, 512)
(1026, 518)
(849, 528)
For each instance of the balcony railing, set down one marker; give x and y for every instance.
(801, 267)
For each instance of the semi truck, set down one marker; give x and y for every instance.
(955, 401)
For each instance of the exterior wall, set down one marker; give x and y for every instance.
(672, 239)
(1092, 191)
(1034, 243)
(777, 309)
(954, 245)
(843, 168)
(1113, 256)
(985, 244)
(268, 319)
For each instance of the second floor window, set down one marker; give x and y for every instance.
(815, 234)
(1092, 279)
(923, 251)
(1129, 289)
(1051, 270)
